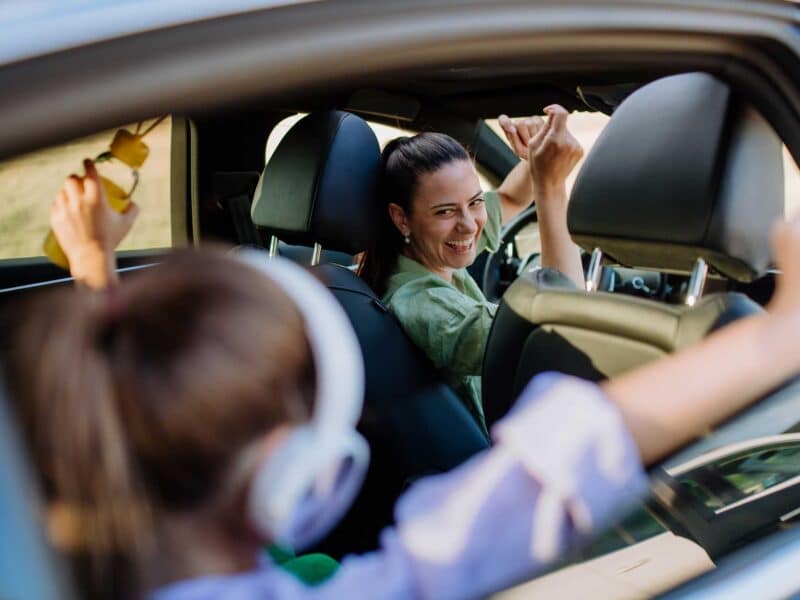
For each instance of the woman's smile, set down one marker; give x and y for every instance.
(461, 246)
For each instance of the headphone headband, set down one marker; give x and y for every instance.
(334, 346)
(310, 481)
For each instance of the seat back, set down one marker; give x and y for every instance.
(414, 423)
(545, 323)
(684, 170)
(320, 187)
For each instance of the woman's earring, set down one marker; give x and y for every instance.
(407, 238)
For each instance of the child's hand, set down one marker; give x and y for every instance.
(88, 229)
(786, 251)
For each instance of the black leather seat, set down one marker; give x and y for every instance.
(320, 187)
(684, 170)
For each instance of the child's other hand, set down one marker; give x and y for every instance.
(88, 229)
(786, 251)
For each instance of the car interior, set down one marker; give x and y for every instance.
(628, 205)
(658, 222)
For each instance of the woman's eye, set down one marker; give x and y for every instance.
(445, 212)
(476, 202)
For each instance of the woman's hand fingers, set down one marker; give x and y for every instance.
(519, 132)
(553, 151)
(557, 118)
(512, 135)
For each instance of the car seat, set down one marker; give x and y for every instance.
(319, 188)
(685, 176)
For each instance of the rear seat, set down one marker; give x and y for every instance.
(319, 188)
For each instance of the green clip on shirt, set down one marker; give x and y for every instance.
(449, 321)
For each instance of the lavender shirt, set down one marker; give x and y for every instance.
(562, 466)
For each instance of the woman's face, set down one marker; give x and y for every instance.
(446, 219)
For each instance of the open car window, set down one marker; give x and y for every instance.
(29, 183)
(384, 133)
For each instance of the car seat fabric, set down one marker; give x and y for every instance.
(414, 423)
(313, 188)
(683, 170)
(545, 323)
(234, 193)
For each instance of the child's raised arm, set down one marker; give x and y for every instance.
(669, 402)
(88, 229)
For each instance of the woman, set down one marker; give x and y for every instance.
(438, 220)
(171, 414)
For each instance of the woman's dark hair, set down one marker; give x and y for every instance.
(405, 161)
(136, 402)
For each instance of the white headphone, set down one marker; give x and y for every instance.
(308, 483)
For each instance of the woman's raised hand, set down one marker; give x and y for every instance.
(519, 132)
(88, 229)
(553, 151)
(548, 146)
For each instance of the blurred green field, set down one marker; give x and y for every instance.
(29, 183)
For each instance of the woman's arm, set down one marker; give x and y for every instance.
(667, 403)
(88, 229)
(549, 152)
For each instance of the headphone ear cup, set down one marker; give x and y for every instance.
(306, 485)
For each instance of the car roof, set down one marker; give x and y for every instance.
(37, 27)
(473, 58)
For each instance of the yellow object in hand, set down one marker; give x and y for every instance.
(118, 199)
(129, 148)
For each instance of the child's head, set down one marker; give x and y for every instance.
(158, 398)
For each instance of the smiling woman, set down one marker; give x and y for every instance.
(438, 220)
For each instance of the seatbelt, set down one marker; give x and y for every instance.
(239, 209)
(235, 193)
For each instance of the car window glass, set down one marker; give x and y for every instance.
(29, 183)
(383, 132)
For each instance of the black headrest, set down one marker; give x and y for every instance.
(320, 184)
(683, 170)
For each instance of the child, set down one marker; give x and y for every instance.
(188, 415)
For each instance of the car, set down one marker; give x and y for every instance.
(228, 76)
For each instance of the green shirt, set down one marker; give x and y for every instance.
(449, 321)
